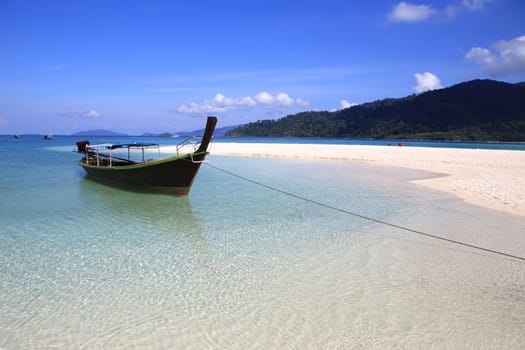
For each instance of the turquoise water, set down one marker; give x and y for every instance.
(518, 146)
(235, 265)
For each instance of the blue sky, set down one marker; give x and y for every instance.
(154, 66)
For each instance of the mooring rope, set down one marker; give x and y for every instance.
(364, 217)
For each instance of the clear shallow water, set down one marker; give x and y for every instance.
(234, 265)
(517, 146)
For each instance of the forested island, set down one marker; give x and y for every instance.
(478, 110)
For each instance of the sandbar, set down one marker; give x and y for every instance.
(490, 178)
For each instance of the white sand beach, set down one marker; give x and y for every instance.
(490, 178)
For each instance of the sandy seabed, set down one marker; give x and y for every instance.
(490, 178)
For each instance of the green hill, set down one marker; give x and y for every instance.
(481, 110)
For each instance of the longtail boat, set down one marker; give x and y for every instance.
(117, 164)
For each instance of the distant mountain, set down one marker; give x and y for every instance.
(481, 110)
(98, 132)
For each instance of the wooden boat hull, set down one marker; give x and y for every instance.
(172, 175)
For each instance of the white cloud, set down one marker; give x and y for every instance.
(218, 104)
(506, 58)
(301, 102)
(226, 102)
(92, 114)
(426, 81)
(475, 5)
(409, 13)
(405, 12)
(221, 103)
(481, 56)
(469, 5)
(192, 108)
(345, 104)
(264, 98)
(284, 100)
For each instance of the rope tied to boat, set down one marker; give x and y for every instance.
(368, 218)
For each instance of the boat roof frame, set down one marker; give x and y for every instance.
(112, 146)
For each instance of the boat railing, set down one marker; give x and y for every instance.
(189, 145)
(108, 154)
(94, 156)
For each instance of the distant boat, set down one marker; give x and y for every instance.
(48, 137)
(172, 174)
(16, 136)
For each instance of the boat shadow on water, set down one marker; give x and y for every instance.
(135, 202)
(157, 216)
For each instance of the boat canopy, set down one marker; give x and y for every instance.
(111, 146)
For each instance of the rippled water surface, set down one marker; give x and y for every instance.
(236, 265)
